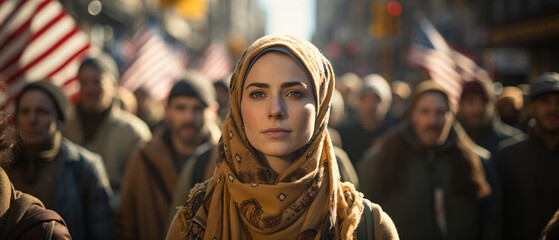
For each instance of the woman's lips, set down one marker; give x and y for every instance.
(276, 132)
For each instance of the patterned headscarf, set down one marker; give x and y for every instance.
(247, 199)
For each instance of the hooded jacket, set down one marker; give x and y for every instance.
(401, 175)
(528, 173)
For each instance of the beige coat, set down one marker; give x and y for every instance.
(118, 136)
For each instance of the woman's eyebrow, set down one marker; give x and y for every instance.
(283, 85)
(291, 84)
(258, 85)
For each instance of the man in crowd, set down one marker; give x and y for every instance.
(528, 164)
(99, 124)
(349, 84)
(477, 114)
(64, 176)
(152, 174)
(429, 176)
(374, 102)
(510, 105)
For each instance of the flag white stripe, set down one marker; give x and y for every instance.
(48, 13)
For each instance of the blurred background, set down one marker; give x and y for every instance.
(514, 40)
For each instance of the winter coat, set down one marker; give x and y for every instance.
(492, 133)
(23, 216)
(119, 134)
(82, 193)
(411, 201)
(148, 190)
(530, 180)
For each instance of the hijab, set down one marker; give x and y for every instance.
(246, 199)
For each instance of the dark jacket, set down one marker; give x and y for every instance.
(23, 216)
(356, 140)
(491, 134)
(82, 193)
(402, 177)
(529, 174)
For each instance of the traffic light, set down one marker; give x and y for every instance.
(188, 9)
(192, 9)
(384, 19)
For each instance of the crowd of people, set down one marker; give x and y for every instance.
(281, 149)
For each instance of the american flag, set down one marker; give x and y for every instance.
(216, 62)
(38, 40)
(446, 66)
(156, 65)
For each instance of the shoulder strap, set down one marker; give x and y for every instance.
(366, 227)
(156, 176)
(200, 165)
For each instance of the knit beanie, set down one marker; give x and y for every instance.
(425, 87)
(196, 85)
(379, 86)
(104, 63)
(473, 88)
(58, 97)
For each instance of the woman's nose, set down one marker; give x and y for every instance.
(277, 108)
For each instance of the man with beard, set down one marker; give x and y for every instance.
(100, 125)
(152, 174)
(429, 176)
(528, 164)
(477, 114)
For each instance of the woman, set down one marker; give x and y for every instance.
(277, 177)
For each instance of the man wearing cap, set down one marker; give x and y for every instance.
(64, 176)
(429, 176)
(476, 113)
(529, 164)
(374, 102)
(152, 174)
(100, 125)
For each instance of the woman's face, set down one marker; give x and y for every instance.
(278, 106)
